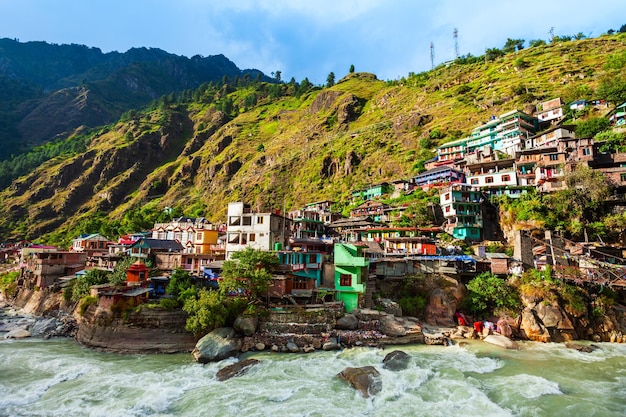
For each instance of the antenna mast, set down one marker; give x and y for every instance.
(432, 55)
(455, 34)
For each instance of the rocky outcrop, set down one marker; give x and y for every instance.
(396, 360)
(236, 369)
(219, 344)
(146, 331)
(440, 308)
(366, 379)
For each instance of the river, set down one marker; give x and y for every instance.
(58, 377)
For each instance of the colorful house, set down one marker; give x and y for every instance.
(305, 269)
(373, 191)
(351, 273)
(442, 175)
(461, 206)
(91, 244)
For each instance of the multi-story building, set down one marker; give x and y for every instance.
(351, 273)
(495, 177)
(550, 111)
(372, 192)
(43, 265)
(439, 176)
(198, 236)
(461, 206)
(91, 244)
(264, 231)
(550, 137)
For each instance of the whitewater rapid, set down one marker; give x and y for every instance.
(60, 378)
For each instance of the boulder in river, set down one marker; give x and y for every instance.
(236, 369)
(502, 341)
(17, 334)
(220, 344)
(365, 379)
(396, 360)
(581, 348)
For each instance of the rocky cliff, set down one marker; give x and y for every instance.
(146, 331)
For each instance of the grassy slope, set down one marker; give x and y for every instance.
(281, 146)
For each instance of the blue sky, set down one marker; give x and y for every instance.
(389, 38)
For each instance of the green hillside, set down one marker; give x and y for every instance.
(289, 144)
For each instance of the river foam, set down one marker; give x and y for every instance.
(58, 377)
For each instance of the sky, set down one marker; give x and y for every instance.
(307, 38)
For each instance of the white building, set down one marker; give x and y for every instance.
(263, 231)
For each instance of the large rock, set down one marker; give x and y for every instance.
(17, 334)
(246, 325)
(440, 308)
(292, 347)
(499, 340)
(390, 307)
(45, 326)
(220, 344)
(532, 329)
(581, 348)
(347, 322)
(396, 360)
(236, 369)
(391, 327)
(366, 379)
(331, 344)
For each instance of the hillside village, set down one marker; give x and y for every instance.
(325, 257)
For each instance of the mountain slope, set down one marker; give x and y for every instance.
(50, 90)
(285, 145)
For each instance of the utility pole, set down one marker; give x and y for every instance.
(455, 34)
(432, 55)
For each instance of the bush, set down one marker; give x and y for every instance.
(413, 306)
(169, 304)
(590, 128)
(7, 280)
(85, 302)
(487, 292)
(206, 312)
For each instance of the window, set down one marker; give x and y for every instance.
(622, 177)
(586, 151)
(447, 196)
(447, 209)
(259, 219)
(506, 178)
(488, 180)
(198, 236)
(474, 181)
(251, 237)
(247, 221)
(345, 280)
(554, 157)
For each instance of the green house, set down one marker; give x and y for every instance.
(351, 272)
